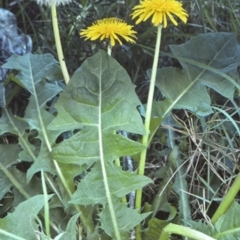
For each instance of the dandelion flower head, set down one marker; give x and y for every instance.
(111, 29)
(159, 10)
(53, 2)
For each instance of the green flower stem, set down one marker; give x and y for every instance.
(227, 201)
(58, 44)
(66, 79)
(117, 161)
(145, 138)
(104, 172)
(46, 205)
(109, 49)
(183, 231)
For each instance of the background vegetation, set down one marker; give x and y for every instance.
(208, 145)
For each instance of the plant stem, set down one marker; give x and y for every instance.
(46, 205)
(228, 199)
(109, 49)
(104, 174)
(58, 44)
(147, 121)
(183, 231)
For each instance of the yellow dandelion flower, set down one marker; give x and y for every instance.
(159, 10)
(110, 29)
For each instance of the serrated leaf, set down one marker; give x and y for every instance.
(71, 230)
(11, 124)
(100, 91)
(228, 225)
(126, 217)
(33, 69)
(83, 147)
(100, 100)
(22, 221)
(203, 65)
(8, 156)
(43, 162)
(99, 97)
(120, 182)
(202, 227)
(156, 226)
(32, 188)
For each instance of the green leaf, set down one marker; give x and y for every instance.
(71, 230)
(202, 227)
(34, 68)
(99, 101)
(120, 182)
(22, 221)
(32, 188)
(180, 92)
(8, 157)
(156, 226)
(210, 64)
(227, 226)
(221, 52)
(43, 161)
(100, 92)
(11, 124)
(83, 147)
(37, 73)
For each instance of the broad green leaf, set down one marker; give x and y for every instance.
(221, 51)
(83, 147)
(99, 97)
(180, 92)
(99, 93)
(203, 65)
(120, 183)
(99, 101)
(22, 221)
